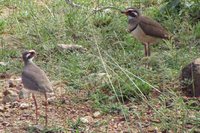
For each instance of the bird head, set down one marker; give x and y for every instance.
(131, 12)
(28, 55)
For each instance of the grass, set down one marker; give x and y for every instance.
(111, 52)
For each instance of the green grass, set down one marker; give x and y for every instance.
(111, 50)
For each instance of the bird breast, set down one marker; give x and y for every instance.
(139, 34)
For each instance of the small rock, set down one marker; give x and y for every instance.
(14, 82)
(51, 100)
(36, 128)
(5, 123)
(11, 84)
(4, 75)
(152, 129)
(7, 115)
(24, 106)
(14, 104)
(96, 114)
(72, 47)
(25, 116)
(189, 125)
(23, 93)
(9, 96)
(155, 120)
(98, 78)
(86, 119)
(3, 63)
(2, 109)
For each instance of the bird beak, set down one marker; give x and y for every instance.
(124, 12)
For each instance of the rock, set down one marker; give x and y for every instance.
(6, 124)
(7, 115)
(190, 77)
(86, 119)
(9, 96)
(98, 78)
(24, 93)
(152, 129)
(51, 100)
(3, 63)
(24, 106)
(36, 128)
(96, 114)
(14, 104)
(14, 82)
(72, 47)
(2, 109)
(4, 75)
(11, 84)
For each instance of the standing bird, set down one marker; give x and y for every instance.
(35, 80)
(145, 29)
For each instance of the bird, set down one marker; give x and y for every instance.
(35, 80)
(144, 29)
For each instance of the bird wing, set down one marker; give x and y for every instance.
(152, 28)
(34, 78)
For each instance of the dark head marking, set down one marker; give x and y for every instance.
(28, 55)
(132, 12)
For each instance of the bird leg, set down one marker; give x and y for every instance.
(36, 108)
(145, 50)
(148, 49)
(147, 53)
(46, 103)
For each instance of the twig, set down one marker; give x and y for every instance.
(70, 2)
(104, 8)
(101, 9)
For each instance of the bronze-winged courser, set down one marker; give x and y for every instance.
(144, 29)
(35, 80)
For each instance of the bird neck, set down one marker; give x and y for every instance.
(29, 61)
(130, 18)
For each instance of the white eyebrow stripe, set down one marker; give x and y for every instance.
(136, 14)
(28, 55)
(130, 9)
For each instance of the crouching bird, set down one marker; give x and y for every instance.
(144, 29)
(35, 80)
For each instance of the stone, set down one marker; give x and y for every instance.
(10, 96)
(11, 84)
(24, 106)
(2, 109)
(3, 63)
(6, 124)
(4, 75)
(51, 100)
(189, 79)
(24, 93)
(96, 114)
(86, 119)
(152, 129)
(72, 47)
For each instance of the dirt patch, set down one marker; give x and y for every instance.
(6, 12)
(42, 2)
(10, 40)
(64, 110)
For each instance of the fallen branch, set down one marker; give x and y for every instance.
(71, 3)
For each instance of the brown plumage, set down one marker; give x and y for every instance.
(145, 29)
(152, 28)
